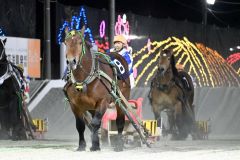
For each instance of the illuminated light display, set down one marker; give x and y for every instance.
(75, 23)
(102, 44)
(233, 59)
(122, 26)
(226, 72)
(157, 47)
(102, 29)
(1, 32)
(149, 44)
(205, 65)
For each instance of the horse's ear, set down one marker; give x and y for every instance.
(66, 30)
(82, 31)
(4, 41)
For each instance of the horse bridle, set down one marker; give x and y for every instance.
(92, 75)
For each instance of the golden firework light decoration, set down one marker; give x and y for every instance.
(204, 64)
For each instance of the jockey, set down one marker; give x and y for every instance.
(182, 77)
(121, 47)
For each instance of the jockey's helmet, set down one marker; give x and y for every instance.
(20, 66)
(120, 38)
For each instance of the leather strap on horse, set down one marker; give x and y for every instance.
(81, 86)
(6, 75)
(126, 106)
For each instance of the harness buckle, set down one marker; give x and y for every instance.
(81, 87)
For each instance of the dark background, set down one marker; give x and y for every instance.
(156, 19)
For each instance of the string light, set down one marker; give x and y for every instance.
(102, 29)
(122, 26)
(149, 44)
(76, 24)
(209, 68)
(1, 32)
(233, 58)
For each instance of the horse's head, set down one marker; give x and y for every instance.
(75, 47)
(2, 50)
(165, 60)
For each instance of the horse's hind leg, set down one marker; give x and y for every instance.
(4, 124)
(80, 125)
(96, 123)
(181, 122)
(18, 130)
(120, 122)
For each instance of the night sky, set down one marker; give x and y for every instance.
(223, 13)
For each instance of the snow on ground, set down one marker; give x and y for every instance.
(163, 150)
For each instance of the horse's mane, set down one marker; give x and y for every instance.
(173, 65)
(172, 61)
(88, 44)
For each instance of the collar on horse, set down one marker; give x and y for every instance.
(6, 75)
(95, 71)
(163, 87)
(12, 71)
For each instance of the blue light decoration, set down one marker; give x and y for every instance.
(1, 32)
(76, 24)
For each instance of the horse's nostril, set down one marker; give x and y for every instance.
(67, 62)
(74, 61)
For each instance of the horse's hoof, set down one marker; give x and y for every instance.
(118, 149)
(82, 146)
(93, 149)
(15, 139)
(81, 149)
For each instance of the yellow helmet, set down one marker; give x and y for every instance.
(20, 66)
(120, 38)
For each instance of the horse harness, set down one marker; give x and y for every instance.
(12, 71)
(2, 50)
(95, 72)
(162, 87)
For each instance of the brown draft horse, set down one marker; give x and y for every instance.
(95, 89)
(171, 93)
(11, 109)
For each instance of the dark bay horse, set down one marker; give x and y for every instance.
(173, 91)
(88, 90)
(10, 100)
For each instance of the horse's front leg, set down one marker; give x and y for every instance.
(80, 125)
(182, 127)
(157, 109)
(96, 123)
